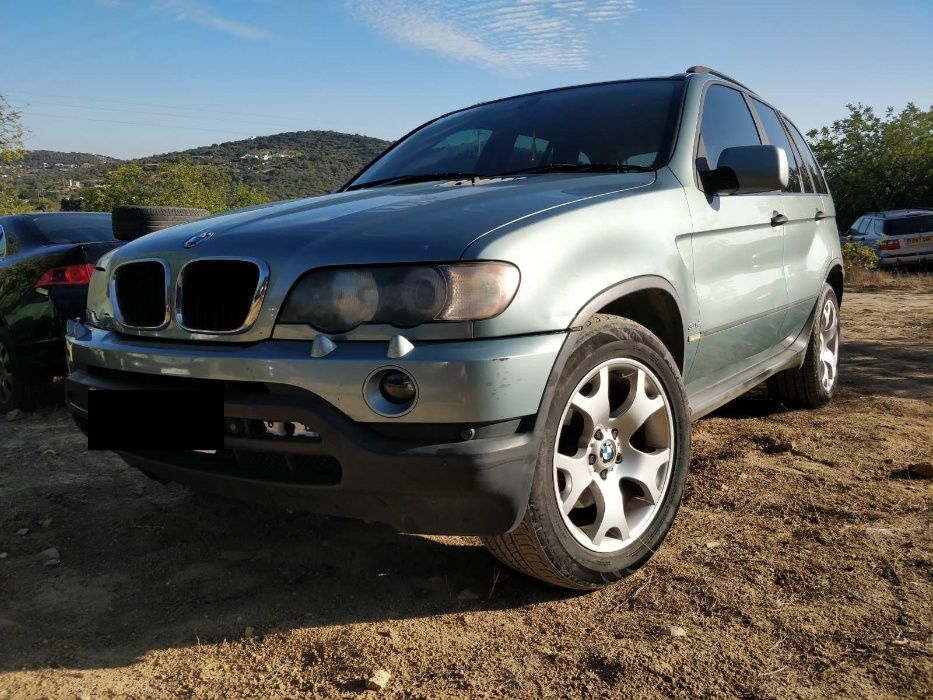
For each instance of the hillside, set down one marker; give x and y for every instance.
(292, 164)
(287, 165)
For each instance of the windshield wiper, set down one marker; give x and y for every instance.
(409, 179)
(580, 168)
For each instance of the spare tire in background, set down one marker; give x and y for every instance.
(131, 222)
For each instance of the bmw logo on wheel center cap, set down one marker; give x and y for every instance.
(607, 452)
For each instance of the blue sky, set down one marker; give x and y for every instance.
(135, 77)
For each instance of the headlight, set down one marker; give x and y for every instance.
(338, 300)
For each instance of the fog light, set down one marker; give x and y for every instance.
(397, 388)
(391, 392)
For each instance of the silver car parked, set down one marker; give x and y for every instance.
(900, 236)
(503, 326)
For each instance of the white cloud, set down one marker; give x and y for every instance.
(206, 15)
(505, 35)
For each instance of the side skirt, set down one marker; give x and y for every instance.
(708, 399)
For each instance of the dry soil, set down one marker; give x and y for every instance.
(800, 566)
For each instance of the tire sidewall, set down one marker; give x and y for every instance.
(812, 362)
(18, 398)
(609, 341)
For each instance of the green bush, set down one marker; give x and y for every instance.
(858, 255)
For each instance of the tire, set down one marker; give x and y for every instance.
(554, 541)
(131, 222)
(814, 383)
(14, 383)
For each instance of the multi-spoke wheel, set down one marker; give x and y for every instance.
(612, 454)
(12, 381)
(612, 462)
(829, 344)
(814, 383)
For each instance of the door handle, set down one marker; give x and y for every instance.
(778, 219)
(819, 216)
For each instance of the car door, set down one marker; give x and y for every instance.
(738, 253)
(804, 217)
(806, 249)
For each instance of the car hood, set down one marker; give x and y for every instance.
(402, 223)
(434, 222)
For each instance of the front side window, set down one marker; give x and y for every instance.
(726, 123)
(774, 130)
(627, 124)
(2, 243)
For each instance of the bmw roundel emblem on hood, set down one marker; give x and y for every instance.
(198, 238)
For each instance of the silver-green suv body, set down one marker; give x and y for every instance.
(503, 326)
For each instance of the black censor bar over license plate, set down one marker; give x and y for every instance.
(136, 419)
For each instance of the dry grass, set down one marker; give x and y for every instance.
(908, 281)
(800, 567)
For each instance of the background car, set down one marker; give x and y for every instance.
(46, 262)
(901, 236)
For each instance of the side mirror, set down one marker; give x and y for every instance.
(747, 170)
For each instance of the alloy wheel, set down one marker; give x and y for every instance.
(613, 455)
(828, 345)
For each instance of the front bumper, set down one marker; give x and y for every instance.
(470, 381)
(419, 476)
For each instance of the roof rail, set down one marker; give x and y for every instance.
(710, 71)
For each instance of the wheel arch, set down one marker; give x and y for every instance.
(650, 301)
(835, 278)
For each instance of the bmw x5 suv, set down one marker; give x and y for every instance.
(503, 326)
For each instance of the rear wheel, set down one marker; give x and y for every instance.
(13, 381)
(131, 221)
(612, 464)
(814, 383)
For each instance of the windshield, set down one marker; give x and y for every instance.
(74, 228)
(627, 124)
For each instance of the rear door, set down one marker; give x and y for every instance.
(806, 247)
(738, 253)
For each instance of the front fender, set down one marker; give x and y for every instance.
(592, 251)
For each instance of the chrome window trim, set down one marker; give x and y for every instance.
(167, 284)
(259, 294)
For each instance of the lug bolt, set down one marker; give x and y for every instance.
(619, 458)
(599, 435)
(604, 474)
(592, 459)
(615, 432)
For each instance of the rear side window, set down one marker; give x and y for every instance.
(74, 228)
(726, 123)
(774, 130)
(809, 162)
(909, 226)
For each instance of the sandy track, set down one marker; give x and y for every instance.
(801, 565)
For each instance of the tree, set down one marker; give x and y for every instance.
(181, 183)
(875, 163)
(11, 150)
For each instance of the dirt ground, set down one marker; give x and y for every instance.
(800, 566)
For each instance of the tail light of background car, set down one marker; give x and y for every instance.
(67, 276)
(890, 245)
